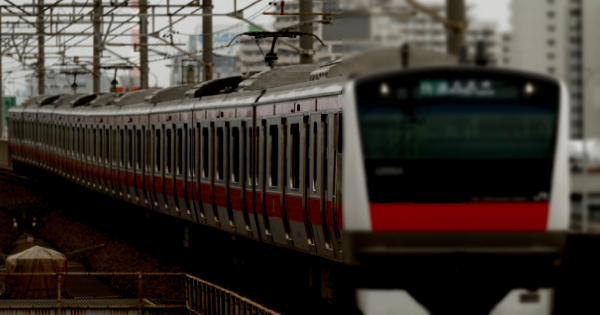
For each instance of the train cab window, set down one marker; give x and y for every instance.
(138, 147)
(158, 150)
(205, 143)
(220, 153)
(235, 170)
(273, 154)
(295, 157)
(180, 151)
(168, 150)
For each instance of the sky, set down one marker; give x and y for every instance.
(487, 10)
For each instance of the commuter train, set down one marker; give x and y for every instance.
(427, 149)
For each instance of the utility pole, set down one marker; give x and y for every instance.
(455, 13)
(207, 42)
(143, 44)
(306, 42)
(41, 64)
(97, 44)
(1, 84)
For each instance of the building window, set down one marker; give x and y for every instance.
(576, 12)
(551, 56)
(551, 42)
(550, 14)
(551, 28)
(551, 70)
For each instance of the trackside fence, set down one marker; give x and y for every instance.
(205, 298)
(119, 292)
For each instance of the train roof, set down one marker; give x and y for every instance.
(168, 94)
(134, 97)
(105, 99)
(278, 77)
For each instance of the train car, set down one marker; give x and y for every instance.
(431, 155)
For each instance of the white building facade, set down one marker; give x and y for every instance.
(560, 38)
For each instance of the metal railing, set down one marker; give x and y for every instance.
(172, 292)
(205, 298)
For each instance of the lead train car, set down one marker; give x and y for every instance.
(256, 157)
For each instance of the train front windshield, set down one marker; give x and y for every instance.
(458, 136)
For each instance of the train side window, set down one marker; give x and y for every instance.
(235, 172)
(273, 154)
(107, 146)
(94, 144)
(100, 146)
(192, 151)
(295, 156)
(205, 143)
(325, 165)
(220, 153)
(168, 150)
(180, 151)
(158, 150)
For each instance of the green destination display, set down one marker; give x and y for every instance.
(443, 88)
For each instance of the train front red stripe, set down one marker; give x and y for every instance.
(459, 217)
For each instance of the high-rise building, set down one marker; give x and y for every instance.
(560, 38)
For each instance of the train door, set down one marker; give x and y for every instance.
(206, 177)
(295, 183)
(108, 159)
(149, 165)
(274, 203)
(100, 157)
(123, 159)
(261, 144)
(159, 166)
(140, 193)
(237, 156)
(221, 175)
(193, 195)
(87, 154)
(250, 148)
(115, 168)
(332, 208)
(131, 162)
(169, 174)
(181, 169)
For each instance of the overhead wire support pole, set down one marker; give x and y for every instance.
(207, 47)
(455, 12)
(41, 64)
(143, 6)
(97, 45)
(306, 42)
(1, 83)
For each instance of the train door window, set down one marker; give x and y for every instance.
(220, 153)
(193, 150)
(107, 146)
(158, 150)
(82, 142)
(138, 147)
(115, 146)
(148, 150)
(205, 144)
(122, 147)
(340, 135)
(315, 154)
(168, 150)
(249, 154)
(325, 147)
(100, 146)
(129, 148)
(295, 156)
(179, 151)
(94, 145)
(235, 172)
(273, 155)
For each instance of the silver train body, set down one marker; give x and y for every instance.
(262, 158)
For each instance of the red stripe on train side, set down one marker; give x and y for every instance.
(293, 208)
(463, 217)
(220, 195)
(235, 198)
